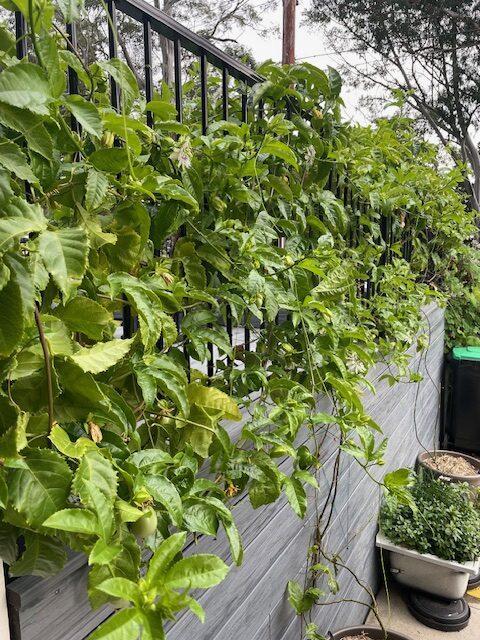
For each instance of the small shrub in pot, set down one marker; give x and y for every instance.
(440, 520)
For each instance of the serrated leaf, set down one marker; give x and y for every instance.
(96, 189)
(86, 113)
(112, 160)
(18, 219)
(85, 316)
(40, 487)
(15, 161)
(76, 449)
(212, 398)
(24, 85)
(64, 253)
(102, 506)
(165, 493)
(95, 468)
(102, 355)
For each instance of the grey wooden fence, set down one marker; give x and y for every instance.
(251, 604)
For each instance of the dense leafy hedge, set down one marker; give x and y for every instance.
(102, 440)
(440, 518)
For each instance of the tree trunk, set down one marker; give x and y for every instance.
(166, 46)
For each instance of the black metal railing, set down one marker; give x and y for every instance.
(153, 21)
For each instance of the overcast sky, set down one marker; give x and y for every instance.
(310, 46)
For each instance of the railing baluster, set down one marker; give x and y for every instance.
(72, 74)
(20, 35)
(204, 91)
(147, 55)
(228, 310)
(113, 50)
(246, 330)
(204, 117)
(225, 93)
(115, 101)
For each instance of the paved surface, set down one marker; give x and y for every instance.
(399, 619)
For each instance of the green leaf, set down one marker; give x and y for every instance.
(235, 542)
(64, 253)
(121, 588)
(153, 319)
(77, 449)
(151, 461)
(124, 625)
(274, 147)
(163, 557)
(165, 493)
(123, 76)
(201, 571)
(162, 109)
(71, 9)
(86, 113)
(103, 552)
(168, 376)
(11, 318)
(19, 218)
(24, 85)
(43, 556)
(112, 160)
(74, 520)
(296, 496)
(85, 316)
(95, 468)
(212, 398)
(103, 507)
(102, 355)
(96, 189)
(40, 487)
(14, 160)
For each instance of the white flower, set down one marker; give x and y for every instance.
(310, 156)
(354, 364)
(182, 154)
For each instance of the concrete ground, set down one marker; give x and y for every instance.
(399, 618)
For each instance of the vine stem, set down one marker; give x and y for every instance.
(48, 368)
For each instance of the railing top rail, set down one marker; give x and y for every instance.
(167, 26)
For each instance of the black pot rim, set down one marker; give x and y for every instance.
(376, 631)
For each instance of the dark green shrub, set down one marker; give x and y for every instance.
(444, 521)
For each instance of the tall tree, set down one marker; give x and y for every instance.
(427, 49)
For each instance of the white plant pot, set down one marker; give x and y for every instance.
(427, 572)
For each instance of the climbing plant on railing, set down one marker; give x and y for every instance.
(104, 441)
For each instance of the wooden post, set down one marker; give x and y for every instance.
(288, 49)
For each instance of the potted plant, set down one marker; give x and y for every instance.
(364, 632)
(433, 536)
(451, 466)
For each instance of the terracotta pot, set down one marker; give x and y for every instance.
(473, 481)
(374, 633)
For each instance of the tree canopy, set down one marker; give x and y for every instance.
(426, 49)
